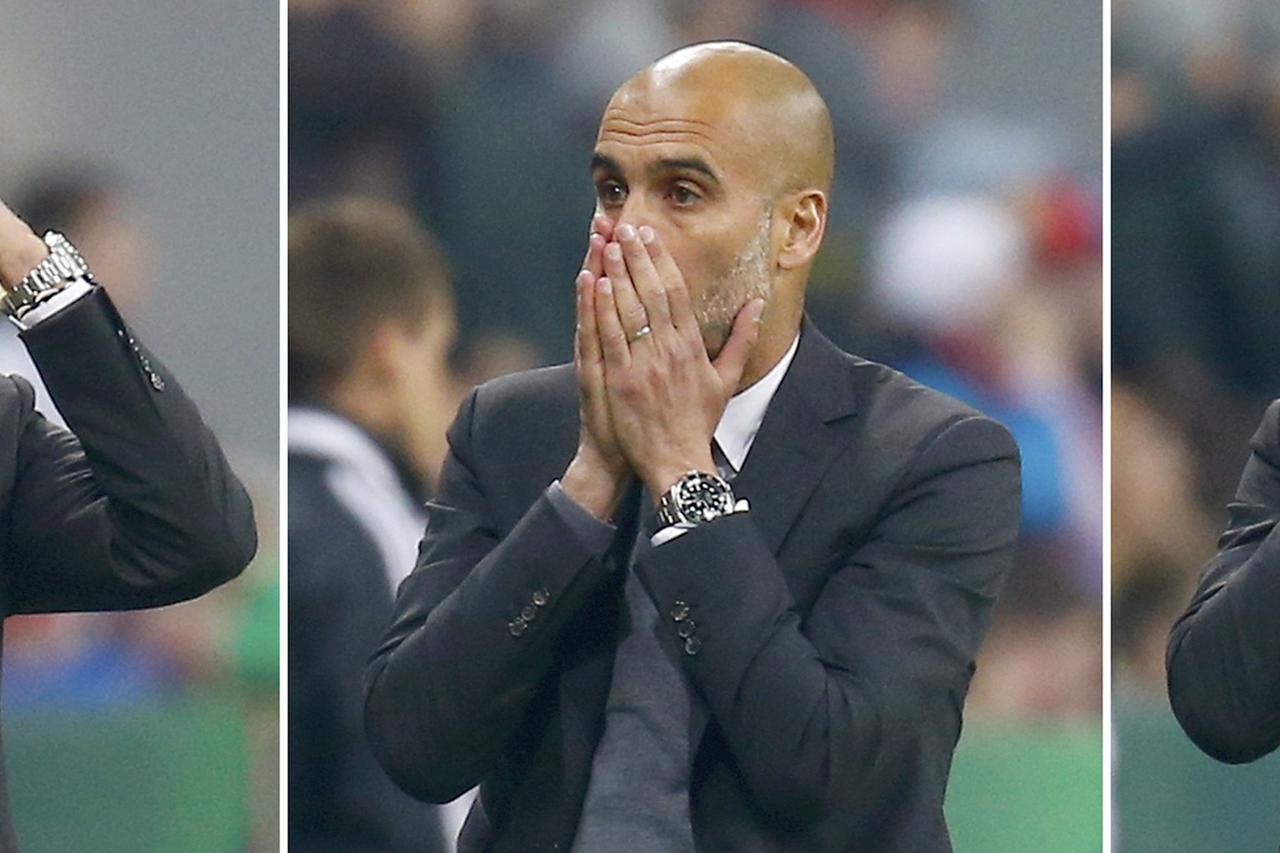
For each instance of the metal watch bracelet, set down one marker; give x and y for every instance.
(63, 266)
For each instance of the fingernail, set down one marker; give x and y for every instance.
(605, 285)
(647, 234)
(614, 251)
(626, 232)
(759, 310)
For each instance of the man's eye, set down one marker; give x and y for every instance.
(611, 192)
(683, 195)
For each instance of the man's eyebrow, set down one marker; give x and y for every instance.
(602, 162)
(690, 164)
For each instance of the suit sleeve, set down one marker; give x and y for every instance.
(1224, 651)
(137, 508)
(840, 710)
(457, 669)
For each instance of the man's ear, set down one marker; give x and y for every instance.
(806, 223)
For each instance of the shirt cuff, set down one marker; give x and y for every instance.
(675, 531)
(69, 295)
(595, 534)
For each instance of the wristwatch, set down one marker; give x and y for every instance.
(696, 498)
(63, 266)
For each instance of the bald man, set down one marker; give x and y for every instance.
(1224, 652)
(717, 585)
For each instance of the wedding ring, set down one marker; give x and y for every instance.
(644, 330)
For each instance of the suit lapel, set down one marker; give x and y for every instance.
(797, 440)
(795, 446)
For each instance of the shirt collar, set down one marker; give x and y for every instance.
(744, 413)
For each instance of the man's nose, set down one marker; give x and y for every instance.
(634, 213)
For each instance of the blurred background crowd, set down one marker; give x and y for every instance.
(148, 133)
(964, 247)
(1195, 297)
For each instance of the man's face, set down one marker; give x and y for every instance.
(672, 162)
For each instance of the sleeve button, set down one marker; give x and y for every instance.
(528, 613)
(686, 629)
(692, 646)
(517, 627)
(679, 611)
(541, 597)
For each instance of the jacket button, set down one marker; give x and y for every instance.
(692, 646)
(528, 613)
(679, 611)
(517, 627)
(541, 597)
(686, 629)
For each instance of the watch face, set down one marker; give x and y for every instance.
(702, 497)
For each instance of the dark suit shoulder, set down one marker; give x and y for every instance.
(16, 393)
(523, 427)
(17, 405)
(329, 549)
(545, 394)
(902, 412)
(1266, 441)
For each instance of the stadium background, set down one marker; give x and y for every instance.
(964, 247)
(158, 731)
(1195, 301)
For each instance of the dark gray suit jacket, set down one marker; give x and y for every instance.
(1224, 651)
(137, 509)
(838, 620)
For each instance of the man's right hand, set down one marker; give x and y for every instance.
(20, 249)
(599, 473)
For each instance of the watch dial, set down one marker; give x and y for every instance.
(703, 498)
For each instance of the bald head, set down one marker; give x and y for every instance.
(761, 104)
(725, 150)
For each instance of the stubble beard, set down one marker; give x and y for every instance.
(750, 276)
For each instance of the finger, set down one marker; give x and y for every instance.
(681, 307)
(613, 340)
(733, 356)
(594, 261)
(631, 310)
(645, 278)
(601, 232)
(602, 225)
(587, 341)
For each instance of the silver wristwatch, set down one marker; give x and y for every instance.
(63, 266)
(696, 498)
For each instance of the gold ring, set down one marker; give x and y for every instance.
(644, 330)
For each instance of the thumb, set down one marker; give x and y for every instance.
(732, 359)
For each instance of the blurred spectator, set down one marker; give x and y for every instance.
(370, 326)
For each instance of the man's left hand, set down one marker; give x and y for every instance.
(665, 394)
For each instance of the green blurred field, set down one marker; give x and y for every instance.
(1022, 787)
(173, 778)
(1168, 796)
